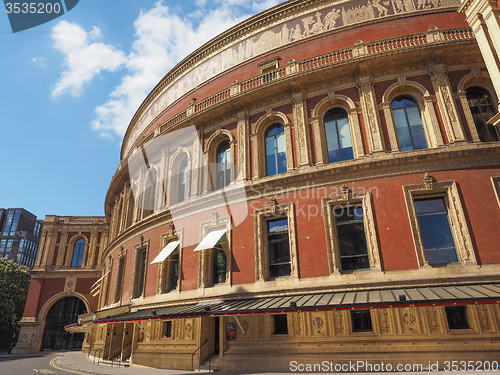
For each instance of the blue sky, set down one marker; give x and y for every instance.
(68, 89)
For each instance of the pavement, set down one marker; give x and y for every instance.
(76, 362)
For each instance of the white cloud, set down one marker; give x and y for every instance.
(40, 61)
(83, 58)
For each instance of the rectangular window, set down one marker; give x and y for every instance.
(119, 279)
(352, 239)
(280, 324)
(361, 321)
(140, 279)
(278, 246)
(437, 240)
(456, 317)
(167, 329)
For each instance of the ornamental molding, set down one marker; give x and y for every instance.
(278, 27)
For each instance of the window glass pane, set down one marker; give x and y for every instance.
(351, 238)
(408, 122)
(361, 321)
(403, 131)
(435, 231)
(345, 139)
(338, 136)
(78, 251)
(280, 324)
(482, 109)
(456, 317)
(275, 150)
(278, 248)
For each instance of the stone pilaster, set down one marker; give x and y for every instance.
(243, 145)
(303, 142)
(370, 115)
(446, 103)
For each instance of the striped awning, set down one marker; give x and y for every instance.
(423, 296)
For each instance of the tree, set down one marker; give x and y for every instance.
(14, 285)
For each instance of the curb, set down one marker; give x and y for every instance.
(54, 363)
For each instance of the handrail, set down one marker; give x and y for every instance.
(193, 353)
(119, 350)
(99, 350)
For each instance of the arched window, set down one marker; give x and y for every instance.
(275, 150)
(338, 136)
(408, 122)
(482, 109)
(149, 195)
(78, 250)
(223, 166)
(183, 181)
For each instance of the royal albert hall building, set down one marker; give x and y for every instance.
(318, 183)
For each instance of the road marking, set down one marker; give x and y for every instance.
(44, 371)
(59, 367)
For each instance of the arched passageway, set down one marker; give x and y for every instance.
(62, 313)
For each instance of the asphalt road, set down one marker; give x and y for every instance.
(30, 365)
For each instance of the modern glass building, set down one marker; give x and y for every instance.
(19, 235)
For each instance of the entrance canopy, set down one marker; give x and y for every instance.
(382, 298)
(210, 240)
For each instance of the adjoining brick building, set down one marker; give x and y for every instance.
(66, 267)
(319, 183)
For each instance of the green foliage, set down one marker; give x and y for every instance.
(14, 285)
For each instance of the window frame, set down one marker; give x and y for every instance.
(164, 267)
(261, 217)
(276, 326)
(206, 257)
(257, 140)
(349, 199)
(425, 102)
(332, 110)
(489, 128)
(267, 131)
(355, 329)
(138, 250)
(407, 123)
(465, 318)
(82, 252)
(458, 224)
(120, 276)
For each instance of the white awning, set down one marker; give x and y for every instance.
(167, 250)
(210, 240)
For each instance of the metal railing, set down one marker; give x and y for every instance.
(98, 351)
(193, 353)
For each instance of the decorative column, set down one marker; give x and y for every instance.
(303, 140)
(483, 18)
(199, 164)
(446, 103)
(370, 114)
(468, 116)
(243, 145)
(63, 248)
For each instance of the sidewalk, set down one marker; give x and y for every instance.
(76, 362)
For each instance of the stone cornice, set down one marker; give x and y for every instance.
(380, 165)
